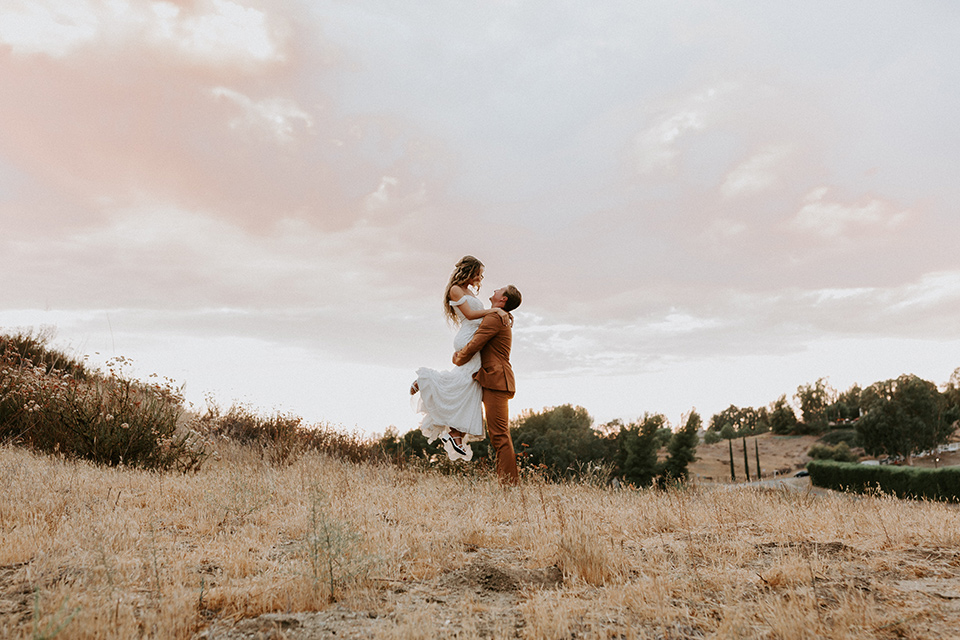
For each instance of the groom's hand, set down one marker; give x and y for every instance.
(457, 358)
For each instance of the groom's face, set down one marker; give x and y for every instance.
(498, 299)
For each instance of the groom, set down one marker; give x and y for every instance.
(493, 339)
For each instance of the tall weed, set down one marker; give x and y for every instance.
(283, 438)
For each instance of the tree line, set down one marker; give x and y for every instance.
(562, 443)
(898, 418)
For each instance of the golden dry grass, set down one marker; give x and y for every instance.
(239, 550)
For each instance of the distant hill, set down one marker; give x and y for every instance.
(784, 454)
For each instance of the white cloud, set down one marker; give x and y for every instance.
(833, 219)
(277, 116)
(54, 28)
(677, 322)
(227, 32)
(657, 146)
(381, 197)
(220, 32)
(757, 174)
(824, 296)
(933, 289)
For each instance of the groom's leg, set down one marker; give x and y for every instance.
(498, 426)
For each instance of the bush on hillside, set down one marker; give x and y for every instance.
(108, 418)
(282, 438)
(711, 437)
(34, 346)
(848, 435)
(840, 452)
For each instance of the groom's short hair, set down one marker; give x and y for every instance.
(512, 294)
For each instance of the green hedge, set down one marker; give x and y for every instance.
(903, 482)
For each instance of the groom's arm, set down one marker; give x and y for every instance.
(489, 327)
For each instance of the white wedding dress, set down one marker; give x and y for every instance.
(452, 399)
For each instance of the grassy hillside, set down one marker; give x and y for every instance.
(784, 454)
(250, 548)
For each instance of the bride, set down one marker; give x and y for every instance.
(450, 400)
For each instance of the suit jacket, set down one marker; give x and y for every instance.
(493, 340)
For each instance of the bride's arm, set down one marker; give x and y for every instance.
(456, 295)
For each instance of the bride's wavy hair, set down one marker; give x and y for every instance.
(464, 271)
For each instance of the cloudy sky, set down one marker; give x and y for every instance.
(703, 203)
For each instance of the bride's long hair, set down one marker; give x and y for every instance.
(465, 271)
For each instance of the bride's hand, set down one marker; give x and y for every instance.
(503, 314)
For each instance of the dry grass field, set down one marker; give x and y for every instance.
(322, 548)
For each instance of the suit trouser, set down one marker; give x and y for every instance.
(498, 427)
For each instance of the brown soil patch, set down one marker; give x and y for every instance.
(490, 586)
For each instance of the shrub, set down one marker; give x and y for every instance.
(351, 447)
(278, 436)
(903, 482)
(34, 346)
(282, 438)
(848, 435)
(840, 452)
(108, 418)
(711, 437)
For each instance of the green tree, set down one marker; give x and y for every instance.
(814, 400)
(682, 449)
(664, 435)
(846, 407)
(729, 416)
(745, 421)
(756, 451)
(754, 421)
(728, 432)
(746, 461)
(783, 420)
(733, 471)
(951, 390)
(641, 466)
(560, 438)
(904, 416)
(613, 436)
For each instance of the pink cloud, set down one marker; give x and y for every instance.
(200, 105)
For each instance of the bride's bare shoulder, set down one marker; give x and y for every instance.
(456, 292)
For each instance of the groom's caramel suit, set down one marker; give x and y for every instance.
(493, 339)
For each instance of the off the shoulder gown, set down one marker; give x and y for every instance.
(452, 399)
